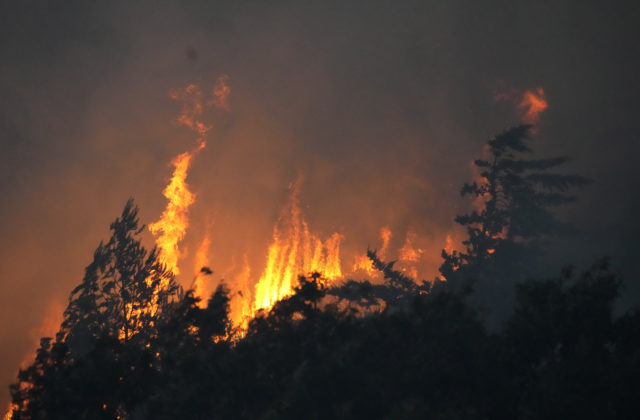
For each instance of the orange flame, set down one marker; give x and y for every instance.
(449, 245)
(363, 263)
(240, 307)
(409, 252)
(221, 92)
(173, 223)
(294, 251)
(9, 414)
(533, 103)
(201, 261)
(410, 255)
(191, 98)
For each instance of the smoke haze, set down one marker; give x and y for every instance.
(377, 106)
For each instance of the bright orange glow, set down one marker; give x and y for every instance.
(363, 263)
(10, 411)
(294, 251)
(173, 223)
(448, 245)
(410, 255)
(240, 306)
(408, 252)
(533, 103)
(201, 260)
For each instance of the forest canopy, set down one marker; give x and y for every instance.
(485, 340)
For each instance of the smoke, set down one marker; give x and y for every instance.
(379, 106)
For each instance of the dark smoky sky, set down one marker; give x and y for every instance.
(380, 106)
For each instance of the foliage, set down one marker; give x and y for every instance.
(108, 324)
(513, 215)
(393, 349)
(563, 354)
(516, 197)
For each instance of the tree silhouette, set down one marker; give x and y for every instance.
(424, 354)
(124, 289)
(516, 197)
(123, 295)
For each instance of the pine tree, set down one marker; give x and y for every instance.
(518, 194)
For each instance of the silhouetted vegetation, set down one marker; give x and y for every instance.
(512, 217)
(133, 345)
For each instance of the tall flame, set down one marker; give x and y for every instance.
(173, 223)
(294, 251)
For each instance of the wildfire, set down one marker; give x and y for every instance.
(201, 269)
(533, 103)
(410, 255)
(449, 245)
(293, 251)
(363, 263)
(9, 413)
(240, 307)
(173, 223)
(221, 92)
(192, 99)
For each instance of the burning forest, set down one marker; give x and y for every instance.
(330, 211)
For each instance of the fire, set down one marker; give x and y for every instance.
(363, 263)
(173, 223)
(240, 306)
(200, 268)
(10, 411)
(410, 255)
(533, 103)
(221, 92)
(192, 99)
(449, 245)
(409, 252)
(293, 251)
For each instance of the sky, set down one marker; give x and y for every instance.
(377, 107)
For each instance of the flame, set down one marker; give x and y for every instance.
(173, 223)
(410, 255)
(409, 252)
(363, 263)
(221, 92)
(201, 261)
(533, 103)
(10, 411)
(240, 306)
(294, 251)
(192, 99)
(448, 247)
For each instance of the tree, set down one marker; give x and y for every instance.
(562, 343)
(124, 289)
(515, 198)
(107, 327)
